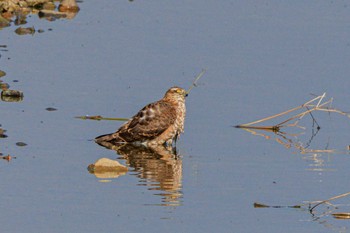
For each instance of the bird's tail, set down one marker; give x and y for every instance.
(111, 138)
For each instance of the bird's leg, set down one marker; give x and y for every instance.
(175, 138)
(174, 150)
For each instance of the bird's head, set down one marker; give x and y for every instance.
(175, 93)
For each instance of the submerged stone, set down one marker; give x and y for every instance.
(4, 86)
(25, 31)
(50, 109)
(13, 93)
(4, 22)
(49, 6)
(107, 168)
(21, 144)
(2, 133)
(11, 96)
(68, 6)
(2, 73)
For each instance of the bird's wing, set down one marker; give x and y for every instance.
(149, 122)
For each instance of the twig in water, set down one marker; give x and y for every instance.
(311, 206)
(98, 118)
(260, 205)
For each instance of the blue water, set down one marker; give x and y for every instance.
(112, 58)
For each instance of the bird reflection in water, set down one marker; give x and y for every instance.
(158, 168)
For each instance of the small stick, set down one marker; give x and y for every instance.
(321, 98)
(260, 205)
(194, 84)
(268, 128)
(98, 118)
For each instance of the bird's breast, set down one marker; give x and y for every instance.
(180, 119)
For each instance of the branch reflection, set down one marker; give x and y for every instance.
(301, 142)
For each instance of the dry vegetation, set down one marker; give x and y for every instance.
(290, 119)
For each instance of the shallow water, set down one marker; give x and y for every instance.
(113, 58)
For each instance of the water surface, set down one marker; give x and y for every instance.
(113, 58)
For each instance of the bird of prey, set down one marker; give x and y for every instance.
(158, 123)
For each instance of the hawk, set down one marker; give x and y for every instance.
(158, 123)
